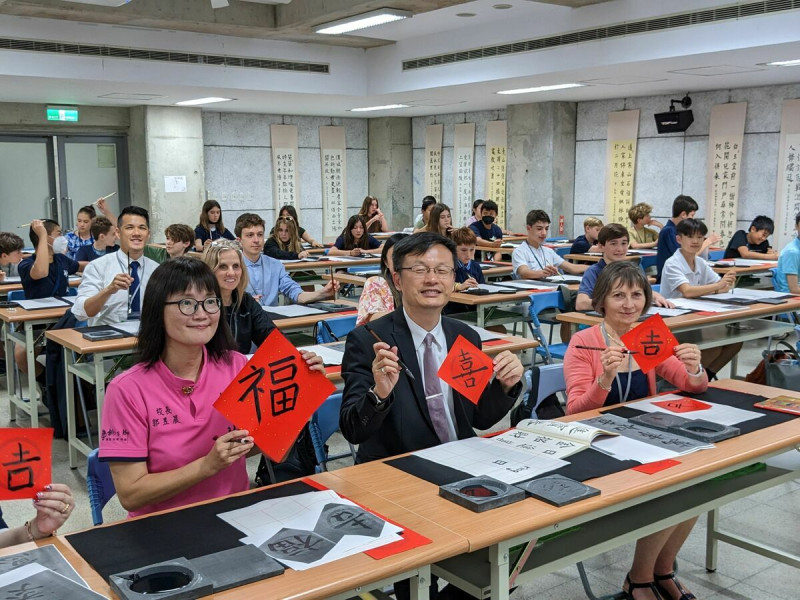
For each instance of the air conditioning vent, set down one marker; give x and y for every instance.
(700, 17)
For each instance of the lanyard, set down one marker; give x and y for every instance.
(622, 398)
(127, 271)
(536, 258)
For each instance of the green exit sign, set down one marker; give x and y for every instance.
(62, 113)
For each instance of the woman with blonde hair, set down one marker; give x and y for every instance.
(373, 216)
(284, 243)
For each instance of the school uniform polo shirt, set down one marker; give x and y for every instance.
(677, 272)
(788, 264)
(148, 417)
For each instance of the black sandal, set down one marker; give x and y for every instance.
(651, 585)
(684, 594)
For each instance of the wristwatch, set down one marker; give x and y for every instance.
(377, 402)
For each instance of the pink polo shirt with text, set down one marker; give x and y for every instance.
(147, 416)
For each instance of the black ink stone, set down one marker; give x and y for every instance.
(177, 578)
(237, 566)
(558, 490)
(479, 494)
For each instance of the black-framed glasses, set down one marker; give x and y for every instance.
(442, 272)
(188, 306)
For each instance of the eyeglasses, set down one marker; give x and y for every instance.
(441, 271)
(188, 306)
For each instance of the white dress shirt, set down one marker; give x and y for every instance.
(439, 348)
(534, 258)
(97, 275)
(677, 271)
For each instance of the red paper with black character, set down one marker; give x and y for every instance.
(467, 369)
(652, 341)
(274, 396)
(682, 405)
(25, 462)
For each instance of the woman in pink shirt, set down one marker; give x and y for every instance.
(602, 378)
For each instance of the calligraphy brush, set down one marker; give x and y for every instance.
(105, 197)
(399, 362)
(601, 349)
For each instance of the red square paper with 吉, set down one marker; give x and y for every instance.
(682, 405)
(467, 369)
(651, 341)
(25, 462)
(274, 396)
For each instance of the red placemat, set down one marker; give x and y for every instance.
(655, 467)
(500, 342)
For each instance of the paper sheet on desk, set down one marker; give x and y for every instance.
(18, 584)
(667, 312)
(131, 327)
(748, 294)
(330, 356)
(666, 445)
(294, 310)
(43, 303)
(526, 285)
(485, 334)
(717, 413)
(493, 289)
(48, 557)
(565, 278)
(10, 279)
(704, 305)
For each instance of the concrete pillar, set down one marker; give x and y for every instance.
(541, 162)
(390, 166)
(165, 140)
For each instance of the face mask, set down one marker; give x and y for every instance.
(60, 245)
(488, 220)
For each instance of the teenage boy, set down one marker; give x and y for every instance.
(428, 202)
(787, 275)
(468, 272)
(613, 242)
(46, 273)
(588, 241)
(11, 246)
(532, 259)
(104, 233)
(488, 234)
(268, 277)
(642, 236)
(683, 207)
(180, 239)
(753, 243)
(686, 275)
(113, 286)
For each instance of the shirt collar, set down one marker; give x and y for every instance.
(418, 333)
(250, 262)
(121, 255)
(176, 383)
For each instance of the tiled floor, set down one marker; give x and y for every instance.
(772, 516)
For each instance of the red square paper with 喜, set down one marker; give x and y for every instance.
(467, 369)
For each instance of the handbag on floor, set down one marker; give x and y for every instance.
(779, 368)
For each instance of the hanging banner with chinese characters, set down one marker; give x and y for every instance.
(284, 166)
(463, 162)
(725, 136)
(496, 144)
(787, 192)
(623, 130)
(333, 156)
(433, 161)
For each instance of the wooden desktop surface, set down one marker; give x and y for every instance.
(20, 315)
(13, 287)
(597, 257)
(330, 264)
(494, 526)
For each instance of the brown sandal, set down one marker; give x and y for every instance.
(684, 594)
(651, 585)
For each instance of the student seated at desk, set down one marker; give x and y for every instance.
(488, 234)
(787, 275)
(267, 276)
(104, 233)
(46, 273)
(602, 378)
(532, 259)
(179, 240)
(379, 295)
(428, 202)
(686, 275)
(373, 217)
(11, 246)
(211, 226)
(613, 242)
(284, 243)
(683, 207)
(588, 241)
(113, 286)
(475, 217)
(82, 235)
(753, 243)
(468, 272)
(354, 240)
(439, 221)
(288, 211)
(642, 236)
(53, 507)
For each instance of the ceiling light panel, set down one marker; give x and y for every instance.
(199, 101)
(383, 107)
(542, 88)
(362, 21)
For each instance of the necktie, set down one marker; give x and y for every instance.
(433, 392)
(134, 290)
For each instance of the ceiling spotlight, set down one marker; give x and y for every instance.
(384, 107)
(362, 21)
(542, 88)
(675, 121)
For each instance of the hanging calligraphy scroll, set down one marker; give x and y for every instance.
(334, 181)
(787, 193)
(725, 136)
(463, 162)
(496, 144)
(284, 166)
(623, 130)
(433, 161)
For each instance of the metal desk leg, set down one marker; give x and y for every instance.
(420, 584)
(8, 344)
(712, 544)
(99, 390)
(31, 355)
(481, 320)
(498, 568)
(71, 428)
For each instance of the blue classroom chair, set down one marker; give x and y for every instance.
(332, 330)
(100, 484)
(540, 302)
(324, 423)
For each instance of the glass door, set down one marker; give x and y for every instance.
(27, 182)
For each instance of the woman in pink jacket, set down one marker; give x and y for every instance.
(601, 378)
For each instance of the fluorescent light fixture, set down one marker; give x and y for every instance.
(785, 63)
(199, 101)
(543, 88)
(362, 21)
(384, 107)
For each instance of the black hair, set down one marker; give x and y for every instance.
(347, 235)
(49, 227)
(418, 244)
(176, 276)
(428, 201)
(136, 211)
(476, 204)
(683, 204)
(763, 222)
(537, 216)
(89, 210)
(385, 266)
(691, 227)
(490, 205)
(797, 219)
(617, 274)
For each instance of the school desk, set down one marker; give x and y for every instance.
(596, 257)
(631, 504)
(73, 281)
(28, 319)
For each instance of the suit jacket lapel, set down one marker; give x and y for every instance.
(408, 354)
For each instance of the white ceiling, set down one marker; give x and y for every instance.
(705, 57)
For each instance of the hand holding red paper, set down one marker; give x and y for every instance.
(651, 341)
(468, 370)
(507, 369)
(53, 508)
(227, 449)
(274, 395)
(25, 462)
(690, 356)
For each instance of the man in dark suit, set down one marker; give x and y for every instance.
(387, 412)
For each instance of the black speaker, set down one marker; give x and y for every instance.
(674, 121)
